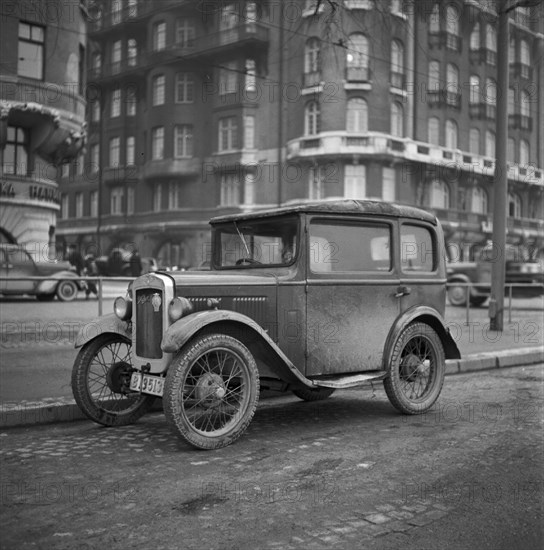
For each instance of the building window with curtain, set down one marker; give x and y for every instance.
(355, 181)
(183, 141)
(357, 116)
(490, 44)
(312, 62)
(312, 119)
(357, 58)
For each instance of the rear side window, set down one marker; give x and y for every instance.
(349, 247)
(417, 251)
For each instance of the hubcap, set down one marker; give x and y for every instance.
(118, 377)
(210, 390)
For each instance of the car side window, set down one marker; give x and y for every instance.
(349, 247)
(20, 258)
(417, 251)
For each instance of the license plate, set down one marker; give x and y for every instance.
(145, 383)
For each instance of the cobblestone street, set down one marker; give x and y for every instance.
(348, 472)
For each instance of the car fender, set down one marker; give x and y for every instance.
(50, 285)
(101, 325)
(241, 327)
(426, 315)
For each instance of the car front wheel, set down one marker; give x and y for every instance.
(100, 381)
(457, 294)
(66, 291)
(417, 369)
(211, 391)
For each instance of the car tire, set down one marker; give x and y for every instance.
(100, 376)
(457, 295)
(211, 391)
(313, 394)
(413, 386)
(67, 291)
(45, 297)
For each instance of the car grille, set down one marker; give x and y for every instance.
(149, 323)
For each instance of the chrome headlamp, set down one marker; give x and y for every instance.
(178, 307)
(122, 307)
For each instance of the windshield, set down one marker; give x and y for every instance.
(256, 243)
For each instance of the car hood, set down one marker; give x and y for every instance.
(47, 268)
(215, 278)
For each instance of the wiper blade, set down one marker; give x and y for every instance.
(242, 238)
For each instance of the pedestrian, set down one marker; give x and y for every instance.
(135, 263)
(75, 258)
(90, 270)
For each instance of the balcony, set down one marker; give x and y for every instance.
(172, 167)
(129, 67)
(521, 70)
(483, 55)
(397, 80)
(483, 111)
(312, 79)
(444, 98)
(444, 39)
(520, 122)
(357, 74)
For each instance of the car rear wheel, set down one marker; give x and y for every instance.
(477, 301)
(66, 291)
(417, 369)
(100, 381)
(313, 394)
(457, 294)
(211, 391)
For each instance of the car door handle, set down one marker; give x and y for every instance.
(403, 291)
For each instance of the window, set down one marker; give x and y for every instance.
(116, 200)
(397, 64)
(159, 36)
(158, 84)
(130, 150)
(474, 141)
(512, 50)
(479, 201)
(228, 17)
(131, 102)
(439, 196)
(489, 144)
(116, 57)
(130, 200)
(315, 183)
(312, 62)
(116, 12)
(227, 78)
(132, 52)
(490, 91)
(157, 143)
(96, 63)
(417, 252)
(511, 151)
(249, 188)
(65, 170)
(355, 181)
(452, 79)
(397, 120)
(230, 188)
(30, 54)
(64, 206)
(349, 247)
(388, 184)
(132, 10)
(185, 32)
(474, 94)
(525, 107)
(93, 200)
(433, 130)
(15, 159)
(475, 37)
(491, 44)
(185, 88)
(228, 134)
(79, 205)
(80, 165)
(95, 157)
(357, 116)
(511, 101)
(115, 147)
(183, 140)
(451, 134)
(249, 132)
(157, 197)
(434, 20)
(357, 57)
(95, 111)
(115, 103)
(452, 20)
(524, 53)
(434, 76)
(312, 118)
(173, 196)
(514, 205)
(251, 76)
(524, 153)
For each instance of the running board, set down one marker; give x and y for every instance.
(350, 381)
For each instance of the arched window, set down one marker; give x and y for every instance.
(132, 52)
(479, 201)
(439, 196)
(452, 20)
(357, 57)
(433, 130)
(511, 150)
(475, 37)
(452, 84)
(514, 205)
(490, 38)
(312, 121)
(474, 141)
(451, 134)
(397, 120)
(489, 144)
(397, 57)
(312, 57)
(357, 116)
(474, 95)
(434, 75)
(524, 53)
(524, 153)
(512, 50)
(434, 21)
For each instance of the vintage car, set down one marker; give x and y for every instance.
(16, 264)
(307, 298)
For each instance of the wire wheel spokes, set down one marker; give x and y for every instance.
(215, 391)
(110, 366)
(417, 367)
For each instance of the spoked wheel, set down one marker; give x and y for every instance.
(417, 369)
(313, 394)
(100, 382)
(211, 391)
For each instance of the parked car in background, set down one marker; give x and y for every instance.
(518, 270)
(117, 263)
(16, 263)
(308, 298)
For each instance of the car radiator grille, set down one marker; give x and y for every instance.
(149, 323)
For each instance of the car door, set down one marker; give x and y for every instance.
(352, 284)
(19, 264)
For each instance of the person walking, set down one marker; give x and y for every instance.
(90, 270)
(135, 263)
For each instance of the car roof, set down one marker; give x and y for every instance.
(337, 206)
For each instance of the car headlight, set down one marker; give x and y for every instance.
(179, 307)
(122, 308)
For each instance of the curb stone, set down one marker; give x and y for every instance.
(50, 410)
